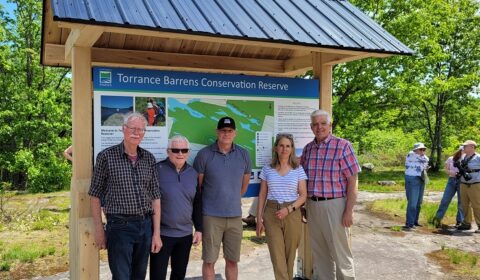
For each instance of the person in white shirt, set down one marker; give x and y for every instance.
(416, 165)
(283, 186)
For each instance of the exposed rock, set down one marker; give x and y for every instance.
(368, 166)
(387, 183)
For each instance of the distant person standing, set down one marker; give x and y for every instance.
(416, 165)
(452, 188)
(224, 173)
(331, 167)
(181, 206)
(283, 186)
(124, 176)
(469, 169)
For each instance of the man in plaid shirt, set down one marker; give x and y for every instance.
(125, 177)
(331, 167)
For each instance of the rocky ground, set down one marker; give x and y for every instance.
(379, 252)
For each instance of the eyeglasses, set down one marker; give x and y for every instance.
(176, 151)
(286, 135)
(138, 130)
(423, 150)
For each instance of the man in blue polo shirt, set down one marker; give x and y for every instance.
(224, 173)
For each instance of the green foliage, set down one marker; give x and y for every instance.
(34, 106)
(429, 94)
(395, 209)
(23, 254)
(385, 148)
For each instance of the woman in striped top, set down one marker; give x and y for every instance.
(282, 193)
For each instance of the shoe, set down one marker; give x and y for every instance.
(407, 228)
(417, 225)
(464, 227)
(437, 223)
(458, 224)
(250, 221)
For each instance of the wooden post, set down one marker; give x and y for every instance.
(84, 257)
(323, 71)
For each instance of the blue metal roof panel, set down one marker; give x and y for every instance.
(264, 21)
(322, 23)
(376, 30)
(191, 16)
(106, 10)
(166, 16)
(306, 17)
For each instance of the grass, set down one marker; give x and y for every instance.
(368, 181)
(457, 262)
(36, 227)
(395, 209)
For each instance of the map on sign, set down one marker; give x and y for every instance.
(196, 119)
(190, 104)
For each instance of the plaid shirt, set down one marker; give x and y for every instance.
(328, 164)
(126, 188)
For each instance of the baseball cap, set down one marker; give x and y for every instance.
(226, 122)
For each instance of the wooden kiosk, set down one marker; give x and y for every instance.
(274, 38)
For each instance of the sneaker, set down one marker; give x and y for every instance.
(437, 223)
(465, 227)
(407, 228)
(250, 221)
(417, 225)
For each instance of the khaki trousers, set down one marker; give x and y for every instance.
(331, 241)
(470, 196)
(283, 238)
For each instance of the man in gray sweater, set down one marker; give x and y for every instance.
(181, 209)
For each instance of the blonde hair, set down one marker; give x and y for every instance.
(292, 159)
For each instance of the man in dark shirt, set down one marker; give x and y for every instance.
(181, 210)
(125, 177)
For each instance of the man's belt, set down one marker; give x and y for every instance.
(127, 217)
(319, 198)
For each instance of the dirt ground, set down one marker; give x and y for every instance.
(379, 252)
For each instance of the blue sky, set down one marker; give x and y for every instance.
(9, 7)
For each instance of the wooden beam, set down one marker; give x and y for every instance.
(84, 257)
(301, 63)
(213, 38)
(171, 61)
(85, 36)
(323, 70)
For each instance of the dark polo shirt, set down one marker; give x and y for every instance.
(222, 182)
(181, 203)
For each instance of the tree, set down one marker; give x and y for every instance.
(430, 91)
(34, 107)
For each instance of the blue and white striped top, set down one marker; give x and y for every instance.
(282, 188)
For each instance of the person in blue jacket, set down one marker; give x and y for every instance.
(181, 210)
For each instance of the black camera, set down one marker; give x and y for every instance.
(463, 170)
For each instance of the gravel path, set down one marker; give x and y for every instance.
(379, 252)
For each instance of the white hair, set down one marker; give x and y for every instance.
(178, 138)
(320, 112)
(134, 116)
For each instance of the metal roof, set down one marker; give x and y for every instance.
(333, 24)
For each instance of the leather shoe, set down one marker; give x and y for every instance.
(250, 220)
(465, 227)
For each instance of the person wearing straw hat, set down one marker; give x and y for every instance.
(416, 165)
(470, 185)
